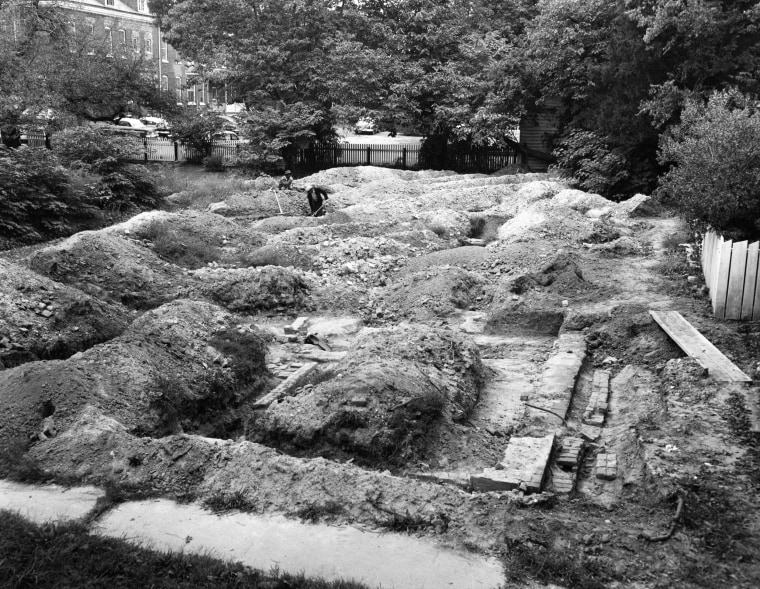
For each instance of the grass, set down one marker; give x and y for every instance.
(180, 245)
(316, 512)
(66, 555)
(222, 501)
(548, 565)
(198, 187)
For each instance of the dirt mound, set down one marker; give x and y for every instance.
(111, 268)
(350, 176)
(280, 223)
(251, 290)
(385, 399)
(630, 335)
(41, 319)
(435, 292)
(167, 371)
(561, 274)
(467, 257)
(268, 203)
(538, 301)
(282, 254)
(100, 450)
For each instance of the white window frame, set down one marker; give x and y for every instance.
(136, 41)
(108, 40)
(191, 93)
(164, 51)
(109, 2)
(91, 39)
(142, 5)
(178, 89)
(148, 45)
(164, 83)
(123, 43)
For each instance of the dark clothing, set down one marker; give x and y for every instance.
(286, 182)
(316, 197)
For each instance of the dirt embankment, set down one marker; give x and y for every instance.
(133, 356)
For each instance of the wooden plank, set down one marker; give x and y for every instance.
(736, 280)
(750, 281)
(291, 383)
(756, 305)
(721, 279)
(698, 347)
(714, 272)
(708, 249)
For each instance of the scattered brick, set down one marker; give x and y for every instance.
(606, 466)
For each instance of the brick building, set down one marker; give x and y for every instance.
(126, 29)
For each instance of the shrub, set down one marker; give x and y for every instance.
(90, 149)
(37, 198)
(129, 186)
(591, 163)
(214, 163)
(715, 175)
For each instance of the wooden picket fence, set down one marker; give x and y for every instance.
(731, 271)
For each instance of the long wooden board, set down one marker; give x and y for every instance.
(698, 347)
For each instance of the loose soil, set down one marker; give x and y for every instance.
(124, 362)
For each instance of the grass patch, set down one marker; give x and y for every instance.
(547, 565)
(66, 555)
(222, 501)
(197, 187)
(180, 245)
(316, 512)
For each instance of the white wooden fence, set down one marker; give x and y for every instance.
(731, 273)
(160, 149)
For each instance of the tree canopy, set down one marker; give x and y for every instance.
(54, 70)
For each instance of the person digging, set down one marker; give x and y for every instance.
(317, 197)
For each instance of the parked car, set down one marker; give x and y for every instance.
(225, 136)
(159, 125)
(228, 123)
(366, 125)
(130, 126)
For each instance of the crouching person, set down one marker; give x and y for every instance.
(317, 197)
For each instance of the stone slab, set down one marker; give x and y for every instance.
(295, 380)
(559, 377)
(523, 466)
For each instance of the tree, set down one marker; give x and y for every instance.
(435, 66)
(714, 154)
(57, 73)
(624, 70)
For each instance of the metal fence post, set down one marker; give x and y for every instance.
(403, 158)
(176, 151)
(369, 155)
(145, 148)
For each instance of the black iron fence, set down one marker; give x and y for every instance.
(320, 156)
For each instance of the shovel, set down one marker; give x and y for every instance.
(277, 199)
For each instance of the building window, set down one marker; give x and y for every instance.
(164, 51)
(91, 39)
(165, 83)
(122, 43)
(202, 93)
(191, 94)
(108, 40)
(142, 5)
(148, 45)
(136, 41)
(178, 89)
(109, 2)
